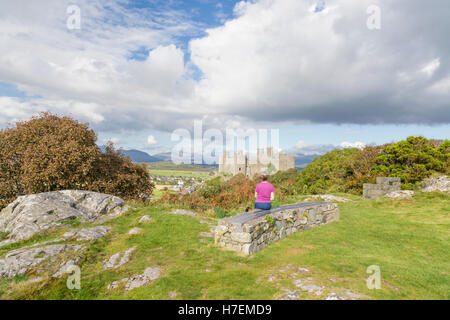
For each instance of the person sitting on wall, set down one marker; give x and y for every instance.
(264, 194)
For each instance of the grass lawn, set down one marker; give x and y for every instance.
(408, 239)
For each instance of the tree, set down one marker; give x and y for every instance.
(50, 153)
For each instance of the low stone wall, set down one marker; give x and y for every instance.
(251, 232)
(381, 188)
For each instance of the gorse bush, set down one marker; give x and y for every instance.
(327, 173)
(346, 170)
(413, 160)
(50, 153)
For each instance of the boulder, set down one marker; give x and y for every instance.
(441, 184)
(46, 258)
(33, 214)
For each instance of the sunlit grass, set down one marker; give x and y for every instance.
(408, 239)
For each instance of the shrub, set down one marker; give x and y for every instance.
(217, 193)
(413, 160)
(50, 153)
(327, 173)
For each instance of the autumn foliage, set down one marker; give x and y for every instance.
(50, 153)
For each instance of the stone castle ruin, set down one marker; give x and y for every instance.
(266, 160)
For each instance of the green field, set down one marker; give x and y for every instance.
(169, 169)
(409, 240)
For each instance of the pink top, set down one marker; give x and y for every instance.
(263, 190)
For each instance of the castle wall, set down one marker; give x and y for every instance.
(239, 163)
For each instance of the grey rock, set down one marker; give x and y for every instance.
(87, 233)
(402, 194)
(65, 267)
(335, 296)
(22, 260)
(134, 231)
(304, 285)
(327, 198)
(290, 295)
(344, 295)
(114, 262)
(441, 184)
(149, 275)
(184, 213)
(33, 214)
(206, 234)
(145, 219)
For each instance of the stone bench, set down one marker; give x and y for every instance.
(251, 232)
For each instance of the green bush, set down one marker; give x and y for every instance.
(50, 153)
(413, 160)
(327, 173)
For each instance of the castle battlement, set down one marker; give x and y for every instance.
(249, 166)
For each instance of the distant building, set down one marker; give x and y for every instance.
(266, 160)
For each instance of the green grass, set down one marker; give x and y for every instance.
(178, 173)
(409, 240)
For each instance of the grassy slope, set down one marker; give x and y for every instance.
(408, 239)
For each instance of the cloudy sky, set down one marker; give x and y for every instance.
(137, 70)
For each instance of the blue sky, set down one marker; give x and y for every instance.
(310, 68)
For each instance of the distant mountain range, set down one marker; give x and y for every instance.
(138, 156)
(302, 161)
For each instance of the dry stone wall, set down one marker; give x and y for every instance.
(251, 232)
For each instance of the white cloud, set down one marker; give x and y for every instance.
(275, 61)
(114, 140)
(151, 140)
(304, 149)
(430, 68)
(357, 144)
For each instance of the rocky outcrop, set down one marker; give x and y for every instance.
(33, 214)
(441, 184)
(86, 234)
(44, 258)
(137, 281)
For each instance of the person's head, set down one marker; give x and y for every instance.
(264, 176)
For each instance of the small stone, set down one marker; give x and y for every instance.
(173, 295)
(311, 288)
(206, 234)
(134, 231)
(335, 296)
(114, 262)
(184, 213)
(145, 219)
(290, 295)
(403, 194)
